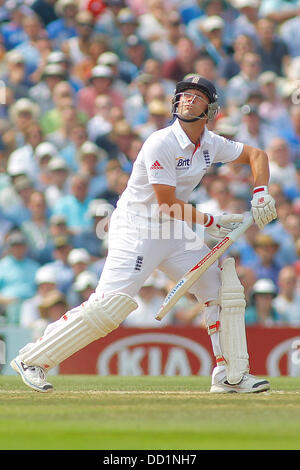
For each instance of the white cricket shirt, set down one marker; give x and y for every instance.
(169, 157)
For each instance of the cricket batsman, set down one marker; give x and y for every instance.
(170, 164)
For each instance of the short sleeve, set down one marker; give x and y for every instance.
(159, 162)
(226, 150)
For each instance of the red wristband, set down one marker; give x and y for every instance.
(209, 221)
(259, 189)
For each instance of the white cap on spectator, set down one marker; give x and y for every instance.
(57, 163)
(108, 58)
(212, 22)
(62, 4)
(101, 71)
(267, 77)
(245, 3)
(78, 255)
(264, 286)
(44, 275)
(84, 280)
(14, 57)
(46, 148)
(56, 57)
(16, 167)
(89, 147)
(24, 104)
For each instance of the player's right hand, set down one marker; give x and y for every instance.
(219, 226)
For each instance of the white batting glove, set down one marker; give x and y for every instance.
(219, 226)
(263, 206)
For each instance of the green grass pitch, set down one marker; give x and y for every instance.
(148, 413)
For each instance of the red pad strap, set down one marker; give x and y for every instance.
(211, 329)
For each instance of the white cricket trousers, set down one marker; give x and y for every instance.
(136, 248)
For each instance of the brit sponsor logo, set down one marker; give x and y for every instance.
(183, 163)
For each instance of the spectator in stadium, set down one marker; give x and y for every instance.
(246, 21)
(30, 47)
(74, 206)
(77, 135)
(45, 281)
(62, 245)
(164, 47)
(42, 92)
(77, 47)
(51, 308)
(219, 196)
(22, 114)
(272, 50)
(292, 133)
(100, 83)
(231, 64)
(128, 24)
(45, 9)
(92, 239)
(62, 95)
(17, 274)
(261, 310)
(282, 169)
(82, 288)
(92, 161)
(58, 173)
(100, 124)
(36, 229)
(79, 260)
(15, 76)
(12, 30)
(279, 10)
(136, 53)
(265, 265)
(65, 26)
(253, 130)
(183, 62)
(290, 33)
(44, 152)
(68, 119)
(25, 154)
(116, 181)
(287, 302)
(159, 116)
(17, 210)
(246, 81)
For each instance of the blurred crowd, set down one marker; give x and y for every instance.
(82, 85)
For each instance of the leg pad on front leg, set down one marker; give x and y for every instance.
(232, 323)
(77, 328)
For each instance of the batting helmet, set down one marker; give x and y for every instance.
(201, 84)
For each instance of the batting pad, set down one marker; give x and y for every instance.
(232, 323)
(78, 328)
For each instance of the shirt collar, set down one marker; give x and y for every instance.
(183, 139)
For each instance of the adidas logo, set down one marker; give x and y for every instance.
(156, 166)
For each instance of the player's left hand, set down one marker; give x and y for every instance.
(219, 226)
(263, 207)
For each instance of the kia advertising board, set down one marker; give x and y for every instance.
(182, 351)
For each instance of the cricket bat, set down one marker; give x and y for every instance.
(193, 274)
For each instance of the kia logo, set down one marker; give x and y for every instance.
(155, 354)
(289, 347)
